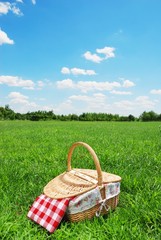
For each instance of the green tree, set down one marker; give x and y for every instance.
(148, 116)
(131, 118)
(9, 113)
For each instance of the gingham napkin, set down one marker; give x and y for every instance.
(48, 212)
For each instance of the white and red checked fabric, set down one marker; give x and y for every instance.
(48, 212)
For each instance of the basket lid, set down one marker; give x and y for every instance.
(74, 182)
(67, 184)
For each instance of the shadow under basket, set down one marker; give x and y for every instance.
(92, 192)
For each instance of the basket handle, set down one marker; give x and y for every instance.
(95, 158)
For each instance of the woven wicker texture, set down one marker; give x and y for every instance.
(90, 213)
(74, 182)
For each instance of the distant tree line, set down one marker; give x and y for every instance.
(6, 113)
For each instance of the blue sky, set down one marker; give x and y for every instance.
(75, 56)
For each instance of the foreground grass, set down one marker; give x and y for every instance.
(32, 153)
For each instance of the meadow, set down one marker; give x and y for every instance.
(32, 153)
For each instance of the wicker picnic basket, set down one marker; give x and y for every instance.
(76, 182)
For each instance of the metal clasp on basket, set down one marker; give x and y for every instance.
(103, 205)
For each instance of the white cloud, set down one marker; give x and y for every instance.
(93, 103)
(92, 57)
(4, 39)
(65, 107)
(40, 84)
(17, 11)
(65, 70)
(124, 105)
(16, 82)
(99, 95)
(17, 97)
(155, 91)
(98, 102)
(66, 83)
(21, 103)
(5, 7)
(95, 98)
(93, 85)
(121, 92)
(128, 83)
(90, 72)
(144, 101)
(88, 85)
(80, 98)
(77, 71)
(19, 1)
(141, 103)
(107, 51)
(33, 2)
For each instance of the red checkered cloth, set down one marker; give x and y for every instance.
(48, 212)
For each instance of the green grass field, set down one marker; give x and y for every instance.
(32, 153)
